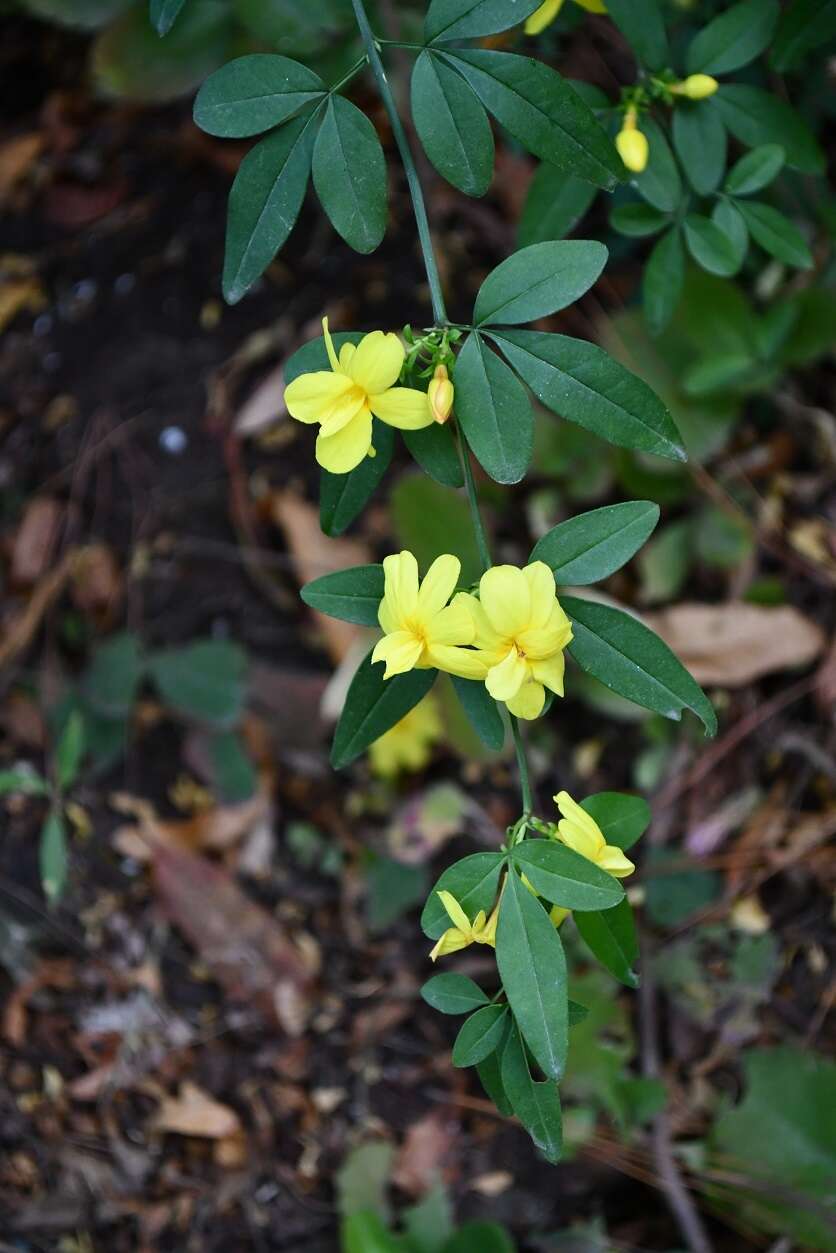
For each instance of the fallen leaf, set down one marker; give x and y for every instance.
(97, 583)
(263, 407)
(218, 828)
(427, 1143)
(21, 628)
(315, 554)
(35, 540)
(735, 643)
(17, 294)
(16, 156)
(194, 1113)
(244, 947)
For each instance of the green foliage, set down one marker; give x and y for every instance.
(353, 595)
(452, 125)
(482, 712)
(562, 876)
(494, 412)
(349, 174)
(480, 1035)
(205, 680)
(611, 938)
(373, 705)
(453, 994)
(473, 881)
(591, 546)
(254, 93)
(734, 38)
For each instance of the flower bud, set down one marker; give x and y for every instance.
(632, 143)
(440, 394)
(696, 87)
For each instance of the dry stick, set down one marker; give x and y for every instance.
(678, 1197)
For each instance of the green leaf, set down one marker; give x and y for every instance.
(493, 411)
(781, 1140)
(584, 384)
(611, 937)
(264, 202)
(490, 1076)
(659, 183)
(128, 58)
(642, 24)
(637, 220)
(363, 1179)
(539, 280)
(730, 220)
(473, 881)
(532, 967)
(252, 94)
(537, 1105)
(26, 782)
(54, 857)
(757, 117)
(392, 889)
(233, 773)
(467, 19)
(554, 206)
(631, 660)
(564, 877)
(482, 711)
(70, 751)
(804, 25)
(480, 1237)
(622, 818)
(452, 125)
(664, 276)
(205, 680)
(755, 170)
(591, 546)
(734, 38)
(542, 111)
(434, 448)
(480, 1035)
(353, 595)
(111, 680)
(699, 138)
(675, 890)
(373, 705)
(349, 175)
(710, 247)
(343, 496)
(453, 994)
(83, 14)
(365, 1232)
(430, 520)
(776, 234)
(429, 1223)
(163, 14)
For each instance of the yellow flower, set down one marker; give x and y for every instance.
(632, 143)
(361, 382)
(547, 12)
(579, 831)
(521, 632)
(422, 630)
(464, 932)
(408, 744)
(695, 87)
(440, 394)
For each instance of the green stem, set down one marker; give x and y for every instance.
(415, 190)
(349, 74)
(473, 501)
(522, 765)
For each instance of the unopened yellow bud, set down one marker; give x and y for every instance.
(632, 143)
(440, 394)
(696, 87)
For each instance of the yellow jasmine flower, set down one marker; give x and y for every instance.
(464, 932)
(547, 12)
(422, 630)
(632, 143)
(361, 382)
(695, 87)
(440, 394)
(579, 831)
(521, 632)
(408, 744)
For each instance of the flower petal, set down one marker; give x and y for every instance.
(543, 16)
(437, 587)
(454, 911)
(528, 702)
(451, 942)
(346, 353)
(400, 595)
(329, 346)
(400, 651)
(345, 449)
(578, 829)
(558, 914)
(314, 397)
(403, 407)
(466, 663)
(573, 812)
(506, 599)
(486, 637)
(452, 625)
(377, 362)
(613, 860)
(505, 680)
(540, 580)
(550, 672)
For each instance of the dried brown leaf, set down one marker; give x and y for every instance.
(423, 1151)
(194, 1113)
(36, 538)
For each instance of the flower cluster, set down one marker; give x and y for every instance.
(631, 141)
(511, 636)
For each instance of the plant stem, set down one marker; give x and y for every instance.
(349, 74)
(439, 314)
(415, 191)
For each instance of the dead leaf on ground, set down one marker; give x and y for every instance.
(97, 583)
(245, 948)
(194, 1113)
(35, 540)
(427, 820)
(17, 295)
(16, 157)
(263, 407)
(314, 554)
(735, 643)
(420, 1159)
(21, 628)
(218, 828)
